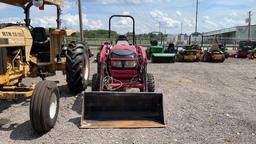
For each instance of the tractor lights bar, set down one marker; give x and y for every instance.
(124, 64)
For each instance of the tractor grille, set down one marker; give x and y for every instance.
(3, 61)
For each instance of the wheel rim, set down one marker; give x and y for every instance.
(86, 67)
(53, 106)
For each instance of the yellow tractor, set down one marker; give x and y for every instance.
(27, 51)
(191, 53)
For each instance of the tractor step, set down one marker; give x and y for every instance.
(122, 110)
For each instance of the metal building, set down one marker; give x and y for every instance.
(230, 35)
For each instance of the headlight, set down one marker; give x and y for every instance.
(117, 64)
(130, 64)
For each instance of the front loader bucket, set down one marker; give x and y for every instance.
(122, 110)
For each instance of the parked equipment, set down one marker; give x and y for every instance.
(244, 48)
(27, 51)
(121, 67)
(156, 51)
(214, 54)
(224, 50)
(189, 54)
(252, 54)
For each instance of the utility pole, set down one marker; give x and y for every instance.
(80, 20)
(249, 26)
(196, 14)
(159, 27)
(181, 27)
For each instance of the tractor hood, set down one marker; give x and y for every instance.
(123, 53)
(124, 47)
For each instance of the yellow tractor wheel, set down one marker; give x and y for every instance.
(44, 106)
(77, 67)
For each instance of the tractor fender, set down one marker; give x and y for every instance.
(103, 53)
(143, 53)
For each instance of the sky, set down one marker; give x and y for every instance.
(150, 15)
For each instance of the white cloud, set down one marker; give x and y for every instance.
(188, 22)
(178, 13)
(136, 1)
(126, 13)
(208, 23)
(234, 14)
(95, 24)
(124, 21)
(11, 20)
(164, 18)
(46, 21)
(69, 5)
(141, 1)
(233, 22)
(72, 21)
(3, 6)
(107, 2)
(220, 14)
(68, 20)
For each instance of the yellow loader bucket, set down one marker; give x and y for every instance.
(122, 110)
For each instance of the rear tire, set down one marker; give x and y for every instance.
(150, 83)
(96, 82)
(44, 106)
(77, 67)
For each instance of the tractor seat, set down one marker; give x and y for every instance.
(39, 35)
(41, 44)
(122, 40)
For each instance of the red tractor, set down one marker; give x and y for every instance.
(122, 66)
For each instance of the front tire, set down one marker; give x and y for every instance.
(77, 67)
(96, 82)
(44, 106)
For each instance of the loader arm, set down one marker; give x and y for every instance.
(23, 3)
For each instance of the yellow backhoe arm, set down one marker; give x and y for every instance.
(22, 3)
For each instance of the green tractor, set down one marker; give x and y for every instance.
(225, 51)
(252, 54)
(156, 51)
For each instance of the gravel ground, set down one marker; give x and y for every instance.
(203, 103)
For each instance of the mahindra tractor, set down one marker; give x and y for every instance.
(121, 67)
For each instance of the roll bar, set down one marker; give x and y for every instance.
(126, 16)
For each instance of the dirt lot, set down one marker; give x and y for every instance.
(204, 103)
